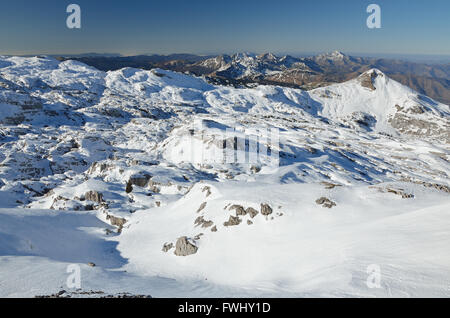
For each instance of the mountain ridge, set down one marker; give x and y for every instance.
(305, 72)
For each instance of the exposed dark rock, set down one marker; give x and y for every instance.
(207, 224)
(198, 237)
(129, 187)
(239, 209)
(96, 166)
(94, 196)
(311, 150)
(140, 180)
(154, 186)
(410, 125)
(204, 223)
(208, 191)
(401, 193)
(116, 221)
(199, 220)
(202, 207)
(266, 209)
(184, 247)
(252, 212)
(167, 247)
(89, 207)
(255, 169)
(436, 186)
(325, 202)
(330, 186)
(367, 80)
(233, 221)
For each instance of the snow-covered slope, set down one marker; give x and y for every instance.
(128, 168)
(383, 104)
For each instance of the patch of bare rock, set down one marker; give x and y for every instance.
(116, 221)
(325, 202)
(185, 247)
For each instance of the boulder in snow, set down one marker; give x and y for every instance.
(94, 196)
(233, 221)
(266, 209)
(325, 202)
(184, 247)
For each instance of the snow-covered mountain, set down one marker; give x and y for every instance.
(252, 66)
(128, 171)
(247, 69)
(377, 102)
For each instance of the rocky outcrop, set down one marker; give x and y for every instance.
(367, 80)
(129, 187)
(266, 209)
(233, 221)
(167, 247)
(184, 247)
(94, 196)
(116, 221)
(140, 180)
(155, 187)
(329, 185)
(239, 209)
(200, 221)
(202, 207)
(325, 202)
(417, 126)
(252, 212)
(207, 190)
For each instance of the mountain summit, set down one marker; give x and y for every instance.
(385, 105)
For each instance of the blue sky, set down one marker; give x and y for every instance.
(226, 26)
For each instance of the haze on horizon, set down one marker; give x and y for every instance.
(134, 27)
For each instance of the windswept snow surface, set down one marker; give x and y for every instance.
(113, 168)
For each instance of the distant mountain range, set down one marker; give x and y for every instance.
(306, 72)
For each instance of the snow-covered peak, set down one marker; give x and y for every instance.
(244, 56)
(333, 56)
(386, 105)
(269, 57)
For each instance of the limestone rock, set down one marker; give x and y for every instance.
(94, 196)
(140, 180)
(266, 209)
(184, 247)
(202, 207)
(116, 221)
(325, 202)
(167, 247)
(233, 221)
(239, 209)
(252, 212)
